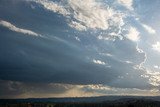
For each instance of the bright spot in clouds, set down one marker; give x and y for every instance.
(99, 62)
(133, 34)
(156, 46)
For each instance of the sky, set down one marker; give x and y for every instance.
(79, 48)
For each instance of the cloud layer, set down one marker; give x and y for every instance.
(84, 14)
(90, 48)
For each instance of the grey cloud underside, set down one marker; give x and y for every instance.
(41, 60)
(17, 89)
(59, 57)
(50, 64)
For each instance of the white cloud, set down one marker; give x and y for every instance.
(149, 29)
(128, 62)
(16, 29)
(154, 78)
(84, 14)
(108, 90)
(155, 66)
(98, 87)
(141, 66)
(156, 46)
(99, 62)
(91, 13)
(127, 3)
(107, 54)
(77, 26)
(52, 6)
(111, 35)
(77, 38)
(100, 37)
(133, 34)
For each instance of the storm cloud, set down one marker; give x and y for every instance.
(80, 49)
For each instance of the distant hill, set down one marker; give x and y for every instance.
(103, 101)
(82, 99)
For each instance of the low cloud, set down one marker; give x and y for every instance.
(154, 77)
(156, 67)
(133, 34)
(98, 62)
(107, 90)
(149, 29)
(52, 6)
(77, 26)
(16, 29)
(127, 3)
(15, 89)
(156, 46)
(128, 62)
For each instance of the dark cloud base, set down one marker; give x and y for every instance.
(57, 57)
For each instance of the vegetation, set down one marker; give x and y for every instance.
(117, 103)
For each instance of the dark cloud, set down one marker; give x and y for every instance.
(14, 89)
(40, 60)
(32, 63)
(60, 60)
